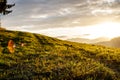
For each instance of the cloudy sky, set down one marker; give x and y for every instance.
(66, 18)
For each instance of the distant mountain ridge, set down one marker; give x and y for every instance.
(90, 41)
(115, 42)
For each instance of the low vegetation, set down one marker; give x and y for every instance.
(46, 58)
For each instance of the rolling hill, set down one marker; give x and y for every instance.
(46, 58)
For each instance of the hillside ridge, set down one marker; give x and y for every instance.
(43, 57)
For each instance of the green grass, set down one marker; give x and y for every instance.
(46, 58)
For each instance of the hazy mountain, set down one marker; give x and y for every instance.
(83, 40)
(115, 42)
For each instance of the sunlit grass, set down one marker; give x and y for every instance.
(48, 58)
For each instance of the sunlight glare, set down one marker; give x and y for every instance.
(106, 29)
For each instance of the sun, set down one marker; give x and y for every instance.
(107, 29)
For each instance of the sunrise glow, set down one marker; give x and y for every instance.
(105, 29)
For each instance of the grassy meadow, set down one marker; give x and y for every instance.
(46, 58)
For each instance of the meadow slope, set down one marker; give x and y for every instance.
(46, 58)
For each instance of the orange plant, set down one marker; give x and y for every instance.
(11, 47)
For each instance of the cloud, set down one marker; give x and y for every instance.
(39, 16)
(22, 28)
(45, 14)
(103, 11)
(65, 11)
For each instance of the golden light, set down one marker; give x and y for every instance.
(105, 29)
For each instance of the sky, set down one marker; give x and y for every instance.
(66, 19)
